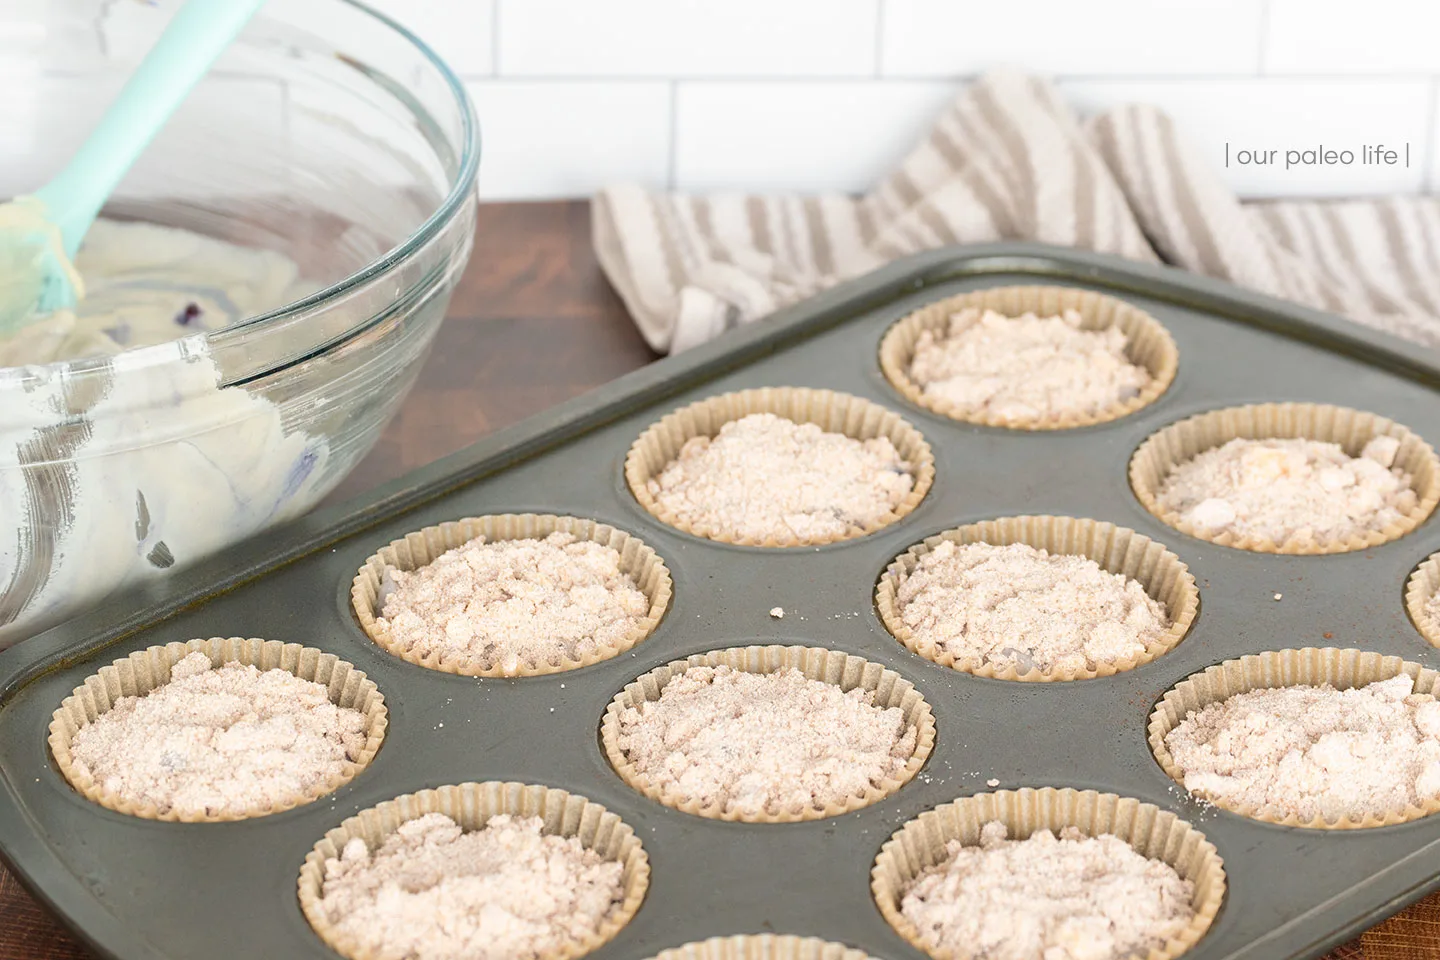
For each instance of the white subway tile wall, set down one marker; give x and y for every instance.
(827, 95)
(687, 38)
(461, 31)
(548, 138)
(926, 38)
(820, 95)
(808, 136)
(1327, 37)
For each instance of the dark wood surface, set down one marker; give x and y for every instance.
(533, 322)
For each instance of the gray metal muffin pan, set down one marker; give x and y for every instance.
(138, 890)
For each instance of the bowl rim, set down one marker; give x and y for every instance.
(462, 187)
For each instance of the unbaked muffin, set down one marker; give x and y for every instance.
(1290, 490)
(1025, 370)
(1017, 607)
(432, 891)
(217, 740)
(1047, 897)
(764, 477)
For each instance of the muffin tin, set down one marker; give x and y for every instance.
(145, 890)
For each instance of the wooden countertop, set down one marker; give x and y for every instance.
(533, 322)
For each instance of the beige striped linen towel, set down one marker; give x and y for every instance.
(1009, 160)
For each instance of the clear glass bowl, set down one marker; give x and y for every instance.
(326, 133)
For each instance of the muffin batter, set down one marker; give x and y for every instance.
(145, 284)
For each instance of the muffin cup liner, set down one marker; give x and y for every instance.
(763, 946)
(1148, 345)
(1116, 549)
(1152, 832)
(833, 412)
(1418, 590)
(471, 805)
(417, 549)
(816, 663)
(1342, 669)
(1181, 442)
(146, 670)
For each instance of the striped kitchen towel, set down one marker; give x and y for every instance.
(1009, 160)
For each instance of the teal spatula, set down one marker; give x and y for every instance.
(40, 234)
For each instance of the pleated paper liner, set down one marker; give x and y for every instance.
(471, 805)
(417, 549)
(146, 670)
(1342, 669)
(1116, 549)
(1419, 590)
(1152, 832)
(1181, 442)
(833, 412)
(816, 663)
(1147, 344)
(763, 946)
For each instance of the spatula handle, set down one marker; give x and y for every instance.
(196, 35)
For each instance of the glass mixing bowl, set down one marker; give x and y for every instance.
(328, 134)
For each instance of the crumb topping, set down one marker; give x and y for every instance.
(1291, 490)
(1311, 751)
(1016, 606)
(1070, 897)
(220, 741)
(764, 743)
(506, 892)
(1026, 369)
(763, 477)
(514, 601)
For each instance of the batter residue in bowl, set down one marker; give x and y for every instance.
(146, 284)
